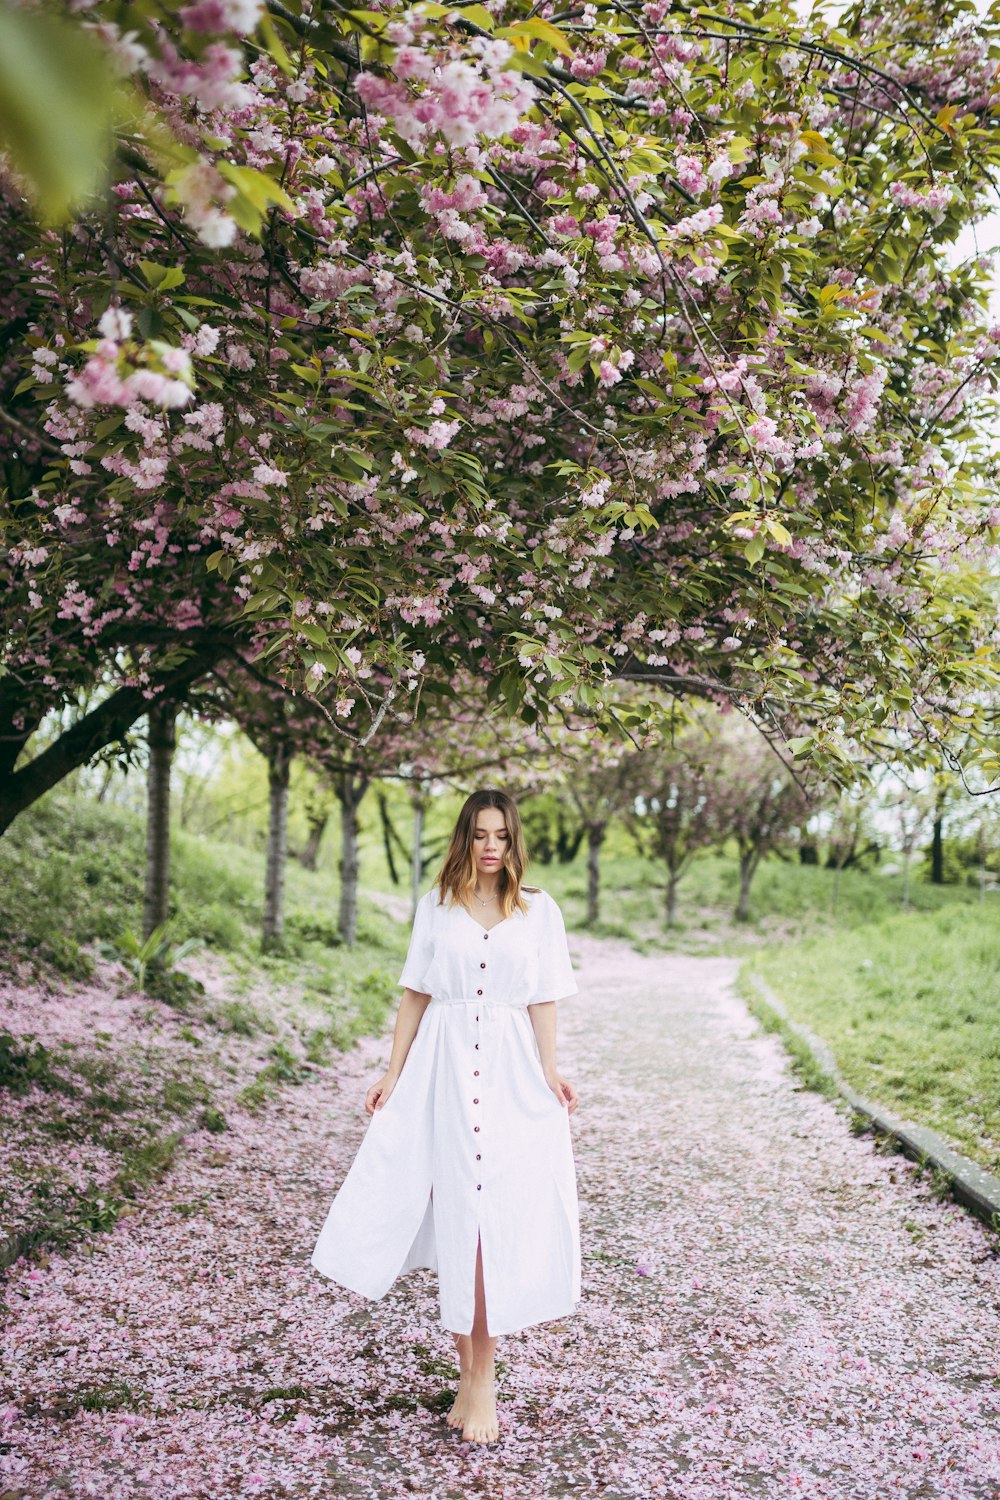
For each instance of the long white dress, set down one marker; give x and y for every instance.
(472, 1142)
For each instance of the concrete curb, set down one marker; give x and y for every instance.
(970, 1184)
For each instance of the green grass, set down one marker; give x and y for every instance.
(901, 998)
(907, 1002)
(70, 878)
(71, 875)
(788, 901)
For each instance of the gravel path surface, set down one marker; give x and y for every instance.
(770, 1307)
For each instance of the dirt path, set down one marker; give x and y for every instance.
(770, 1307)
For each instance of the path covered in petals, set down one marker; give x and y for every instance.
(770, 1306)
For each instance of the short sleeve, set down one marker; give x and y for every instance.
(556, 980)
(421, 949)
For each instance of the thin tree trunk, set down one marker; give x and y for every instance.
(162, 736)
(748, 864)
(836, 884)
(109, 772)
(308, 855)
(906, 881)
(595, 838)
(417, 867)
(278, 772)
(673, 880)
(350, 790)
(937, 841)
(388, 835)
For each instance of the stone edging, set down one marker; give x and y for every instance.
(972, 1185)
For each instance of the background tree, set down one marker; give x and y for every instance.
(671, 812)
(754, 800)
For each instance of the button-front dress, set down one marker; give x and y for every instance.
(472, 1143)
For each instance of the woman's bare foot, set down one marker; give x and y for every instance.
(456, 1416)
(480, 1425)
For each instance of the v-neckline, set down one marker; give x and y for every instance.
(480, 925)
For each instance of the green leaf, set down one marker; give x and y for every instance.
(59, 99)
(478, 15)
(257, 191)
(274, 44)
(161, 278)
(109, 425)
(314, 633)
(539, 30)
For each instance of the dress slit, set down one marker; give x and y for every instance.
(486, 1306)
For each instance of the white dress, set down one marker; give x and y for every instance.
(472, 1142)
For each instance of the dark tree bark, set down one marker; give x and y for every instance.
(278, 772)
(350, 788)
(749, 860)
(596, 834)
(389, 836)
(162, 743)
(673, 881)
(109, 721)
(937, 840)
(417, 865)
(308, 855)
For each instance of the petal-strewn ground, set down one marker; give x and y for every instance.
(771, 1307)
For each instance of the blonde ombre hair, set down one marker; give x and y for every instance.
(457, 878)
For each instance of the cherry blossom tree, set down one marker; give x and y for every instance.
(671, 812)
(912, 811)
(755, 802)
(618, 343)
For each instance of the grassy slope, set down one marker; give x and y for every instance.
(98, 1085)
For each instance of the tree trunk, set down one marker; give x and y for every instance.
(417, 868)
(308, 855)
(109, 772)
(103, 725)
(673, 881)
(388, 835)
(596, 833)
(278, 773)
(350, 790)
(748, 864)
(937, 840)
(162, 743)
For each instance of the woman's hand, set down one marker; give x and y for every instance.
(564, 1091)
(379, 1092)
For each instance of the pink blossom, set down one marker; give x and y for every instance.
(268, 474)
(863, 401)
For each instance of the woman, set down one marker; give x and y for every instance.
(467, 1163)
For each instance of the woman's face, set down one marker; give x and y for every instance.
(489, 841)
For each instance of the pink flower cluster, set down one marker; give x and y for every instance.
(458, 100)
(933, 200)
(863, 401)
(210, 82)
(102, 382)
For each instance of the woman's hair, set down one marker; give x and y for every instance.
(457, 878)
